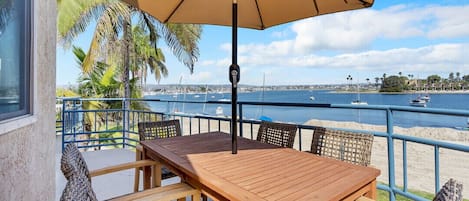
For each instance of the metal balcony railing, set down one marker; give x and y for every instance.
(93, 128)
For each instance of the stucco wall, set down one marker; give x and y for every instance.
(27, 153)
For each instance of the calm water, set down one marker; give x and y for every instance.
(301, 115)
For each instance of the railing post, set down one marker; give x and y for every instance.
(299, 140)
(124, 125)
(240, 106)
(404, 163)
(390, 141)
(437, 168)
(63, 124)
(168, 108)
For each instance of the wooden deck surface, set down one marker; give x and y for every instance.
(260, 171)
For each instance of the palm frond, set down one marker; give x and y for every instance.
(107, 28)
(182, 39)
(74, 16)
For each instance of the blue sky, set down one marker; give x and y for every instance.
(413, 37)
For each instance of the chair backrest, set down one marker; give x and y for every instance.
(342, 145)
(159, 129)
(451, 191)
(277, 134)
(76, 172)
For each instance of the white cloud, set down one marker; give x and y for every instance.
(199, 77)
(280, 34)
(358, 29)
(442, 57)
(226, 47)
(442, 32)
(450, 22)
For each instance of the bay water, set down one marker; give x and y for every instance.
(300, 115)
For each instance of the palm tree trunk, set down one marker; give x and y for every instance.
(127, 36)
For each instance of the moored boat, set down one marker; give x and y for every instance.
(426, 98)
(358, 102)
(418, 103)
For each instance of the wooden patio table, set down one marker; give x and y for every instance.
(259, 171)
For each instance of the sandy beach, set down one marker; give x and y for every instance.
(420, 158)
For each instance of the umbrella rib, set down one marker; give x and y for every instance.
(174, 11)
(316, 6)
(366, 3)
(260, 15)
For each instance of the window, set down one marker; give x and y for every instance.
(15, 57)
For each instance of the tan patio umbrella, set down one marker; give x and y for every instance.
(254, 14)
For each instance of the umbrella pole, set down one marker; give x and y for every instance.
(234, 79)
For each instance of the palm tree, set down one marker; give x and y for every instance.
(451, 76)
(349, 78)
(113, 39)
(146, 57)
(89, 88)
(102, 82)
(411, 82)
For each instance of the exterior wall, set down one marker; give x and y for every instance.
(27, 144)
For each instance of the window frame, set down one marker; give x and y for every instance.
(26, 64)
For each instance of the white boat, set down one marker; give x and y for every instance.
(418, 103)
(358, 102)
(219, 111)
(426, 98)
(312, 98)
(197, 96)
(224, 99)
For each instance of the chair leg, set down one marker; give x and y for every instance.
(196, 197)
(156, 176)
(138, 156)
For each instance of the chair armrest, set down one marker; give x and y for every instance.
(363, 198)
(139, 147)
(124, 166)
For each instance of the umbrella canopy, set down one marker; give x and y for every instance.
(254, 14)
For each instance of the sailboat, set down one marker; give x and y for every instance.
(180, 90)
(205, 102)
(262, 117)
(358, 101)
(223, 95)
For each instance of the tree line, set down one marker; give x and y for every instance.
(401, 83)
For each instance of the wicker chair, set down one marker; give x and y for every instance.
(151, 131)
(159, 129)
(342, 145)
(451, 191)
(78, 187)
(277, 134)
